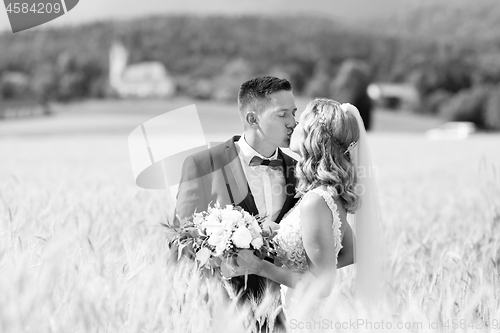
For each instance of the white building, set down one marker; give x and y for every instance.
(147, 79)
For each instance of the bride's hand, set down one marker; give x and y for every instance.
(244, 263)
(269, 225)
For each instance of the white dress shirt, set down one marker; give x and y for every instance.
(267, 184)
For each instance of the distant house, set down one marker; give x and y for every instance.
(455, 130)
(146, 79)
(394, 95)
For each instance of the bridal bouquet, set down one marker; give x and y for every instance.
(218, 234)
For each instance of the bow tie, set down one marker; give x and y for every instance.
(274, 164)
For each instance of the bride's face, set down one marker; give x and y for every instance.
(298, 134)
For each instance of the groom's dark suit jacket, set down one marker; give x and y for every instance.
(216, 175)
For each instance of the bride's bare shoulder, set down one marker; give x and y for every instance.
(313, 207)
(322, 201)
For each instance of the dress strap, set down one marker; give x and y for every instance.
(327, 196)
(336, 223)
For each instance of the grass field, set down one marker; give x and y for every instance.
(81, 249)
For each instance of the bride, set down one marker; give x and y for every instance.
(333, 181)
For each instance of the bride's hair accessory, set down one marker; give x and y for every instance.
(351, 147)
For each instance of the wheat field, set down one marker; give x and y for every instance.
(82, 250)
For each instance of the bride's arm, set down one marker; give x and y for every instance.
(248, 263)
(317, 236)
(281, 275)
(346, 254)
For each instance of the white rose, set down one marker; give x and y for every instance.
(212, 224)
(257, 243)
(198, 218)
(215, 211)
(213, 219)
(229, 224)
(214, 239)
(231, 217)
(242, 238)
(247, 217)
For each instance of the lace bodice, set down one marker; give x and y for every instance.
(289, 240)
(289, 236)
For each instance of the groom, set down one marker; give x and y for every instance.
(238, 171)
(250, 170)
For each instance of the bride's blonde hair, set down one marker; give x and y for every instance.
(328, 132)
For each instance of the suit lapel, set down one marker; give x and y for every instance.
(289, 173)
(238, 184)
(236, 180)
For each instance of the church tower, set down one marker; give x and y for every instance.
(118, 57)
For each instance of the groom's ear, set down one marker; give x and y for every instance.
(251, 118)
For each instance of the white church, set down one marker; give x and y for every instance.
(141, 80)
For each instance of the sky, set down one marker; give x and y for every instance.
(98, 10)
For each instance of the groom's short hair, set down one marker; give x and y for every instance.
(257, 90)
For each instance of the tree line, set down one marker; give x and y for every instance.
(209, 56)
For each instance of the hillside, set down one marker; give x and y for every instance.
(443, 48)
(425, 18)
(90, 11)
(468, 21)
(193, 46)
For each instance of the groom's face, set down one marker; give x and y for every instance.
(277, 119)
(298, 134)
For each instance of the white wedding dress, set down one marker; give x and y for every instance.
(289, 239)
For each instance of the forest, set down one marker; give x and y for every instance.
(456, 74)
